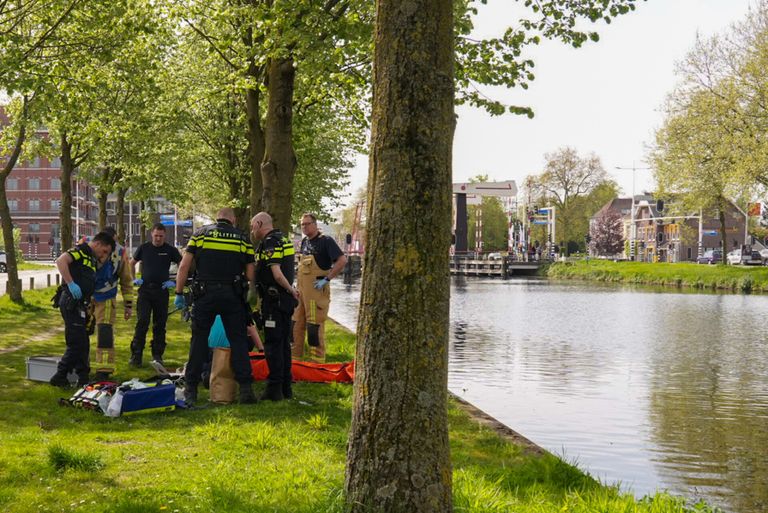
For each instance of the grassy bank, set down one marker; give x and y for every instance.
(277, 457)
(714, 277)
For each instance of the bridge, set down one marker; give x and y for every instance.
(499, 268)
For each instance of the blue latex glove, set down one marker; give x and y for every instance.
(322, 282)
(138, 282)
(74, 289)
(169, 284)
(179, 302)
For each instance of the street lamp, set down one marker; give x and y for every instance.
(632, 229)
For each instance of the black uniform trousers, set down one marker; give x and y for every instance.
(152, 301)
(277, 340)
(218, 299)
(76, 337)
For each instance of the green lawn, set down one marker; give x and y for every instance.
(270, 457)
(714, 277)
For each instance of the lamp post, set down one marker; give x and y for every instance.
(632, 229)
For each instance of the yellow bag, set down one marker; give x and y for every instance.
(223, 384)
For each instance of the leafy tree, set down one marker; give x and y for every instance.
(398, 456)
(607, 233)
(495, 225)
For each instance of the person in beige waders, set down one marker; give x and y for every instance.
(320, 260)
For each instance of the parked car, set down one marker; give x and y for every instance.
(3, 262)
(710, 257)
(737, 257)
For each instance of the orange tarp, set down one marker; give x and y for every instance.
(307, 371)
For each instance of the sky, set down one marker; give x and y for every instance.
(605, 97)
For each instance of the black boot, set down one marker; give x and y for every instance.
(246, 394)
(135, 360)
(287, 391)
(190, 395)
(158, 358)
(273, 392)
(60, 380)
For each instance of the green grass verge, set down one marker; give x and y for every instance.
(713, 277)
(269, 457)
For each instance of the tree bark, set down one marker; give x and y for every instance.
(721, 206)
(279, 166)
(65, 215)
(103, 194)
(14, 284)
(398, 457)
(120, 214)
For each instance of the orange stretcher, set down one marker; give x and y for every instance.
(307, 371)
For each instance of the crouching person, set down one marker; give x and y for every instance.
(78, 272)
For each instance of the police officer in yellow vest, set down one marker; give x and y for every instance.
(224, 264)
(320, 260)
(274, 271)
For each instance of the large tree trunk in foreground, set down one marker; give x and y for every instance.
(279, 164)
(14, 284)
(398, 458)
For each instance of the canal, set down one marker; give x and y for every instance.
(655, 390)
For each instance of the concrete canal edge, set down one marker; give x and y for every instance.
(500, 429)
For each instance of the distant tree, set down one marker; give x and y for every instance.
(494, 224)
(607, 233)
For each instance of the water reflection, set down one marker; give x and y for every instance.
(653, 390)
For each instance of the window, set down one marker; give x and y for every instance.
(690, 253)
(55, 231)
(55, 205)
(12, 184)
(55, 184)
(56, 162)
(36, 162)
(34, 184)
(13, 205)
(34, 227)
(34, 205)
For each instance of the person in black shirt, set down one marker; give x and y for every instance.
(274, 275)
(78, 272)
(155, 257)
(223, 259)
(320, 260)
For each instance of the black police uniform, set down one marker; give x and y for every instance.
(153, 298)
(74, 313)
(221, 253)
(277, 305)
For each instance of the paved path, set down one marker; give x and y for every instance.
(40, 279)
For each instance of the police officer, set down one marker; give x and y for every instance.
(78, 271)
(155, 257)
(223, 258)
(274, 275)
(320, 260)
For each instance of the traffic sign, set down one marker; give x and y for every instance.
(710, 232)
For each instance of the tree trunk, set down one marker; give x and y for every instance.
(142, 228)
(65, 215)
(255, 148)
(721, 205)
(120, 214)
(398, 457)
(14, 284)
(103, 194)
(279, 164)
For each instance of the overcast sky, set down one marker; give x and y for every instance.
(603, 98)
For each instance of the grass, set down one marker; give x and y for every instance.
(680, 275)
(270, 457)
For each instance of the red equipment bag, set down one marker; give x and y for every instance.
(307, 371)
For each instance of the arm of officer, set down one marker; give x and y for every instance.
(338, 266)
(250, 273)
(183, 272)
(62, 264)
(281, 280)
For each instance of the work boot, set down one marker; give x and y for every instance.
(246, 394)
(287, 391)
(60, 380)
(135, 361)
(190, 395)
(272, 393)
(158, 358)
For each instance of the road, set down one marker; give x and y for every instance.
(41, 278)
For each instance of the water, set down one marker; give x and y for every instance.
(654, 390)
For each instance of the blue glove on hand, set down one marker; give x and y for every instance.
(179, 302)
(74, 289)
(322, 282)
(138, 282)
(169, 284)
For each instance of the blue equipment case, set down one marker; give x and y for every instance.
(148, 400)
